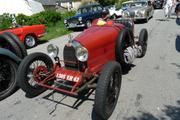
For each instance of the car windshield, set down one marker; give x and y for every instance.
(134, 4)
(83, 10)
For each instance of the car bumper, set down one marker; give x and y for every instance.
(41, 35)
(75, 25)
(140, 18)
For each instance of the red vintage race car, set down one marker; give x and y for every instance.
(28, 34)
(92, 60)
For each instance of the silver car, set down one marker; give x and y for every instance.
(138, 10)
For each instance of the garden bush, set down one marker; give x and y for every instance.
(45, 17)
(68, 14)
(5, 21)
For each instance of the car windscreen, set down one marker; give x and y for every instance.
(84, 10)
(135, 4)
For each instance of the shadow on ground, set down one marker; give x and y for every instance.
(126, 68)
(164, 20)
(177, 44)
(77, 29)
(170, 113)
(42, 42)
(80, 99)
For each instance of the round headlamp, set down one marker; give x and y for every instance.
(139, 14)
(80, 18)
(52, 50)
(82, 54)
(65, 21)
(125, 14)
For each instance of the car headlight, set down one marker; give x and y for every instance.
(65, 21)
(138, 13)
(80, 18)
(52, 50)
(81, 52)
(143, 13)
(126, 14)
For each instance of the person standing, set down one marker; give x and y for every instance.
(168, 7)
(177, 9)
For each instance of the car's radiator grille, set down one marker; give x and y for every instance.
(73, 21)
(71, 60)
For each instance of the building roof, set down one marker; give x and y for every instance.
(53, 2)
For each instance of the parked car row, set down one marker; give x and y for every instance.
(138, 10)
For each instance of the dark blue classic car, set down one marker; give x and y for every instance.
(85, 15)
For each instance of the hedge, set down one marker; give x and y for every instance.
(49, 17)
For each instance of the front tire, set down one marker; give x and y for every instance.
(107, 91)
(34, 66)
(8, 70)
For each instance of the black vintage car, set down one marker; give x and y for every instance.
(85, 15)
(12, 51)
(158, 4)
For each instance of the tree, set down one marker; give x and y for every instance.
(107, 2)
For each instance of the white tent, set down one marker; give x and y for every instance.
(26, 7)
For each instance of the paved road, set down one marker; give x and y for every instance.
(150, 90)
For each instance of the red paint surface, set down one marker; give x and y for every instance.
(100, 42)
(36, 30)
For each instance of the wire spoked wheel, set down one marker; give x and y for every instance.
(8, 71)
(32, 71)
(37, 72)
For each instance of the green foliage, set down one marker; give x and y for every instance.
(68, 14)
(5, 21)
(54, 31)
(45, 17)
(107, 2)
(119, 3)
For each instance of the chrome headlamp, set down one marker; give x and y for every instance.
(80, 18)
(139, 13)
(126, 14)
(65, 21)
(81, 52)
(52, 50)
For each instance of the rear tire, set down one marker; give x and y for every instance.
(18, 42)
(143, 38)
(10, 44)
(107, 91)
(26, 73)
(124, 40)
(8, 83)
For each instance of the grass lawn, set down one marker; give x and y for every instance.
(54, 31)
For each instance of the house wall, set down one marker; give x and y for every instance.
(73, 6)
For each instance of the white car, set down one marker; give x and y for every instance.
(113, 11)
